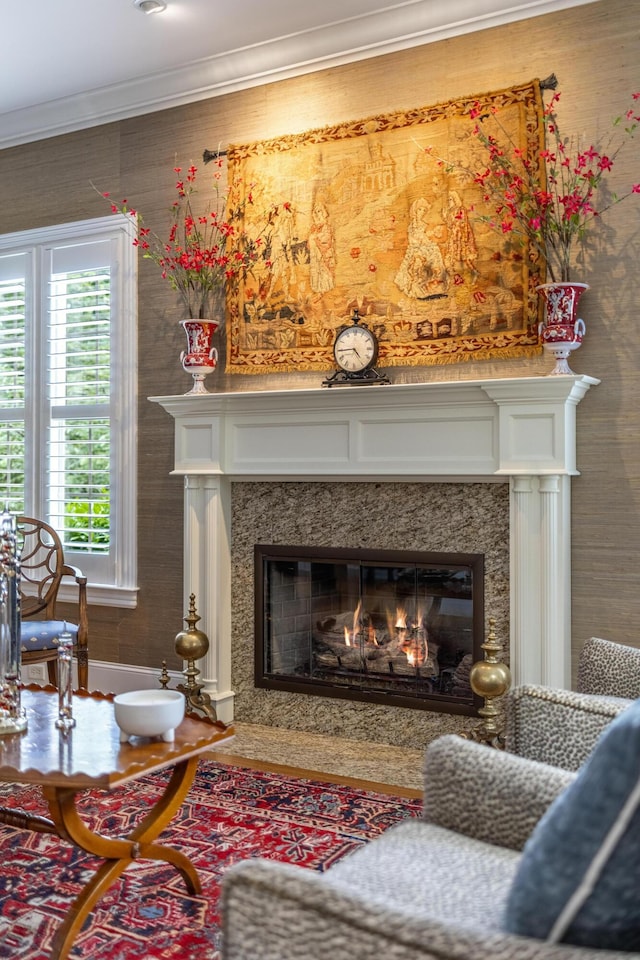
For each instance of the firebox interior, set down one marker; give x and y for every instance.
(392, 627)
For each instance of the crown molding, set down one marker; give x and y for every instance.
(394, 28)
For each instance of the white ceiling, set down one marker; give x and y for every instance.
(68, 64)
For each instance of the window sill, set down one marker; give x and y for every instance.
(102, 594)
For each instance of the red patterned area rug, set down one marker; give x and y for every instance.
(230, 814)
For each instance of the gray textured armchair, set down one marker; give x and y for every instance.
(609, 669)
(437, 887)
(560, 727)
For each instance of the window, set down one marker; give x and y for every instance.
(68, 393)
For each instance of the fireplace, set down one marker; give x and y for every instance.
(384, 626)
(520, 430)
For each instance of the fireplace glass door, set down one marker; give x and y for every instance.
(390, 627)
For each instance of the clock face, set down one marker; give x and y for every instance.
(355, 349)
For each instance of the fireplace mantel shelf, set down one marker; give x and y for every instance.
(469, 428)
(521, 430)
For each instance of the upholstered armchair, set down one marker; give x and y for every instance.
(463, 881)
(609, 669)
(561, 727)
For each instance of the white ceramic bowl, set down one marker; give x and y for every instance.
(149, 713)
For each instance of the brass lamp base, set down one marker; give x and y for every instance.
(191, 645)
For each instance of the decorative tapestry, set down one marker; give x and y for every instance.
(378, 215)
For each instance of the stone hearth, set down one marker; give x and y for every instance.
(519, 432)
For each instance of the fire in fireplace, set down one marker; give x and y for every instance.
(393, 627)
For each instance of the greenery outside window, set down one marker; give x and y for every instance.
(68, 393)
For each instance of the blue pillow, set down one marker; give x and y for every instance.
(577, 881)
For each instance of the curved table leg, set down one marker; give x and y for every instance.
(118, 853)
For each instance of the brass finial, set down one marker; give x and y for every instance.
(191, 645)
(490, 678)
(164, 676)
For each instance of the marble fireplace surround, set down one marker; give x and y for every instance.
(518, 429)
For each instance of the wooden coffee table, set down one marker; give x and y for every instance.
(91, 757)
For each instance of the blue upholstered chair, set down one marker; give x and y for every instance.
(43, 567)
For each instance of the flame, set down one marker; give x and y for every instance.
(351, 638)
(418, 648)
(413, 658)
(410, 633)
(356, 619)
(412, 636)
(401, 619)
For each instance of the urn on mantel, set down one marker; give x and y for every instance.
(562, 330)
(201, 357)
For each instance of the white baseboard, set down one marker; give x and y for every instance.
(106, 677)
(122, 677)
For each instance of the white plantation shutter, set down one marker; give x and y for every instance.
(67, 393)
(79, 382)
(13, 270)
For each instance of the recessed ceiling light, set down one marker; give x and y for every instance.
(150, 6)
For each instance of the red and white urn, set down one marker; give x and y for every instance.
(562, 330)
(200, 357)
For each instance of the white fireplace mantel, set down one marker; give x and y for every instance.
(521, 429)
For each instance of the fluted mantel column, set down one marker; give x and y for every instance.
(207, 561)
(540, 582)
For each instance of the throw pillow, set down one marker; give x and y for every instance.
(577, 879)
